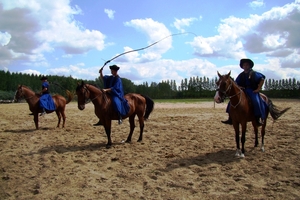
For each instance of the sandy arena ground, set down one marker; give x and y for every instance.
(186, 153)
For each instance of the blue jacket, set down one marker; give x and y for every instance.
(120, 104)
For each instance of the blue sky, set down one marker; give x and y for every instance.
(76, 37)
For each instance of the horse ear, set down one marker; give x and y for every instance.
(82, 83)
(229, 73)
(219, 74)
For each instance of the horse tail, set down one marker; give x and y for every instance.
(274, 111)
(70, 96)
(149, 106)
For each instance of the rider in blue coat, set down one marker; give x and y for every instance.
(113, 85)
(251, 82)
(46, 101)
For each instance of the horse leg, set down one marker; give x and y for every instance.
(107, 127)
(36, 119)
(256, 133)
(237, 138)
(64, 118)
(243, 138)
(59, 118)
(141, 120)
(263, 131)
(132, 126)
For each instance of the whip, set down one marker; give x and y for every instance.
(145, 47)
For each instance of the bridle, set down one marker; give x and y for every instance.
(88, 100)
(227, 91)
(22, 94)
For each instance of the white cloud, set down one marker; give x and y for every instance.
(272, 32)
(76, 71)
(155, 31)
(274, 41)
(110, 13)
(4, 38)
(44, 26)
(185, 22)
(30, 71)
(256, 4)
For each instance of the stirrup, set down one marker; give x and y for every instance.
(43, 113)
(120, 122)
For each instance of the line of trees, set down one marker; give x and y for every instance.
(194, 87)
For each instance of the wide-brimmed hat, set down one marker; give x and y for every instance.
(246, 60)
(114, 67)
(44, 78)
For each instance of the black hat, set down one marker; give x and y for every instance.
(246, 60)
(114, 67)
(44, 78)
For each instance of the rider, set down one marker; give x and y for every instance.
(113, 85)
(46, 101)
(251, 82)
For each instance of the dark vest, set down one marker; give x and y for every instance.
(47, 91)
(253, 85)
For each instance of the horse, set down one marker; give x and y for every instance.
(140, 105)
(241, 111)
(33, 101)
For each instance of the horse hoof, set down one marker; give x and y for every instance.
(108, 146)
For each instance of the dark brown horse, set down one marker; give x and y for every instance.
(140, 105)
(241, 111)
(33, 101)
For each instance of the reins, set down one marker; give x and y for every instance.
(85, 87)
(228, 89)
(22, 94)
(231, 83)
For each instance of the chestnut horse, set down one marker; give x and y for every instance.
(241, 111)
(140, 105)
(33, 101)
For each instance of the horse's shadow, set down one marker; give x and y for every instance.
(75, 148)
(221, 157)
(25, 130)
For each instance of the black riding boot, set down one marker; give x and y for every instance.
(43, 113)
(99, 123)
(258, 122)
(228, 121)
(120, 119)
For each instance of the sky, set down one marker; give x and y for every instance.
(196, 38)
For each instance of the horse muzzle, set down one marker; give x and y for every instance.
(81, 107)
(217, 98)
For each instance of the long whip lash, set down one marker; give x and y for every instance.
(145, 47)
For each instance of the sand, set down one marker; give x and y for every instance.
(186, 153)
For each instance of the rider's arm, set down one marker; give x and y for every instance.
(260, 84)
(101, 74)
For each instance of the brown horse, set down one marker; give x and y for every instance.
(140, 105)
(241, 111)
(33, 101)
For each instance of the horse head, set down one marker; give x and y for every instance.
(83, 94)
(19, 94)
(224, 84)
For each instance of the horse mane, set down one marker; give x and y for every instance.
(91, 84)
(25, 87)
